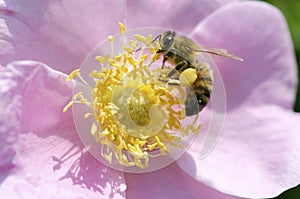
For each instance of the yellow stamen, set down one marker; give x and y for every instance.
(110, 38)
(68, 106)
(94, 129)
(87, 115)
(122, 28)
(140, 38)
(149, 39)
(128, 49)
(73, 75)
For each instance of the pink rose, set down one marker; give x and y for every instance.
(41, 156)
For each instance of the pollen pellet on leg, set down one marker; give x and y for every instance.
(188, 77)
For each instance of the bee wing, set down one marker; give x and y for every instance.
(219, 52)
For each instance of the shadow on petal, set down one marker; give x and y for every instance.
(88, 173)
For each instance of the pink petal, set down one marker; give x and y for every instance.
(258, 33)
(61, 33)
(181, 15)
(168, 183)
(9, 122)
(50, 160)
(257, 156)
(58, 33)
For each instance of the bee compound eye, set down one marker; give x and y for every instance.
(167, 42)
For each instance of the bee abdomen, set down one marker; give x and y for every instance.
(196, 100)
(198, 95)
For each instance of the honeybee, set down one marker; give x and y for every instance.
(183, 53)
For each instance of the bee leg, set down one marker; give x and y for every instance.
(174, 82)
(171, 81)
(160, 51)
(163, 79)
(166, 56)
(180, 67)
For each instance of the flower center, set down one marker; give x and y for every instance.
(136, 115)
(140, 103)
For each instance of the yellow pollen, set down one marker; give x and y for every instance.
(110, 38)
(73, 75)
(134, 113)
(140, 104)
(128, 49)
(87, 115)
(188, 77)
(122, 28)
(149, 39)
(68, 106)
(140, 38)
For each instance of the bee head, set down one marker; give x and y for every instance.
(167, 40)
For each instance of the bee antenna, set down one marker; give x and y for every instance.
(156, 38)
(136, 50)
